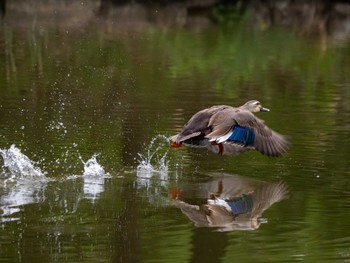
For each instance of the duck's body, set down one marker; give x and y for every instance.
(231, 130)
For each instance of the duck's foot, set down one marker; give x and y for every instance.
(176, 145)
(175, 193)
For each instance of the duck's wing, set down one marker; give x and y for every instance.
(241, 127)
(197, 125)
(267, 195)
(218, 215)
(193, 212)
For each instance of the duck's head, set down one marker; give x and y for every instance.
(254, 106)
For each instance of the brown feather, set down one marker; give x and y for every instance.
(212, 124)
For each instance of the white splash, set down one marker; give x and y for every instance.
(93, 168)
(17, 165)
(154, 160)
(24, 183)
(94, 178)
(57, 125)
(153, 166)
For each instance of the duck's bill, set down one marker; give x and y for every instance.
(264, 109)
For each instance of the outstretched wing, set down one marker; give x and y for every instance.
(268, 194)
(242, 127)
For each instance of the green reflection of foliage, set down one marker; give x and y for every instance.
(226, 65)
(109, 79)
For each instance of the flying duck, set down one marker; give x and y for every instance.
(228, 130)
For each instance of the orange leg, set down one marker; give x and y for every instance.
(175, 193)
(221, 149)
(176, 145)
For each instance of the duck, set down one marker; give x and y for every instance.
(232, 202)
(225, 129)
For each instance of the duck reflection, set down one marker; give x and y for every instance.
(234, 203)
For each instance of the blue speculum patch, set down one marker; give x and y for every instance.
(243, 135)
(241, 206)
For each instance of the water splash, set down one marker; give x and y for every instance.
(94, 178)
(17, 165)
(92, 167)
(58, 126)
(24, 183)
(155, 158)
(152, 171)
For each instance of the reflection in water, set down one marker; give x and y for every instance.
(24, 183)
(27, 184)
(15, 195)
(153, 183)
(152, 171)
(93, 186)
(25, 191)
(145, 176)
(234, 203)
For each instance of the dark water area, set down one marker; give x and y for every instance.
(91, 90)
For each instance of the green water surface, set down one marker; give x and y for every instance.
(68, 94)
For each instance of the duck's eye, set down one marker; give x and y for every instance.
(257, 103)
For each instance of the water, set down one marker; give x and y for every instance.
(22, 183)
(153, 160)
(87, 106)
(93, 168)
(17, 165)
(94, 178)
